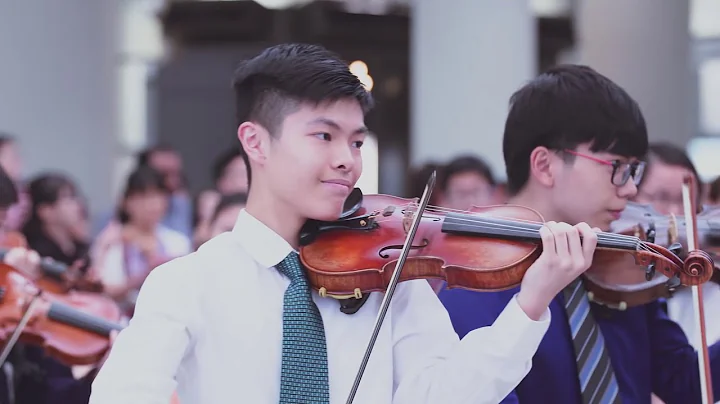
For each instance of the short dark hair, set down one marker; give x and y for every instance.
(567, 106)
(45, 189)
(8, 191)
(668, 153)
(6, 138)
(143, 179)
(238, 198)
(223, 161)
(144, 156)
(276, 82)
(463, 164)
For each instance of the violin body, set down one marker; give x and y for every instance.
(483, 249)
(74, 328)
(616, 285)
(56, 277)
(365, 259)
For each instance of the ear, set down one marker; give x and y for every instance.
(253, 138)
(542, 162)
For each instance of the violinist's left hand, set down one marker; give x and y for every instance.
(24, 260)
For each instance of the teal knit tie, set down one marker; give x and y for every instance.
(304, 375)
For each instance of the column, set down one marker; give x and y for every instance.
(644, 46)
(467, 58)
(58, 84)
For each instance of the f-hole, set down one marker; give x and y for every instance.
(382, 254)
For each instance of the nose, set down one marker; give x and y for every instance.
(343, 156)
(628, 190)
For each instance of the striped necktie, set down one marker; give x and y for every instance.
(304, 374)
(596, 376)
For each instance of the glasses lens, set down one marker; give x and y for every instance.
(624, 171)
(639, 171)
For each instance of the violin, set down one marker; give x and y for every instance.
(483, 249)
(618, 288)
(56, 276)
(73, 328)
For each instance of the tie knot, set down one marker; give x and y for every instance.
(292, 267)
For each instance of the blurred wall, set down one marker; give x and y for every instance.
(467, 59)
(58, 88)
(645, 46)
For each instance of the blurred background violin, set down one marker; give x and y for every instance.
(53, 275)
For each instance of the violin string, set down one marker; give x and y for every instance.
(475, 220)
(703, 223)
(530, 228)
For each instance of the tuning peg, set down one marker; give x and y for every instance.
(650, 233)
(673, 283)
(676, 248)
(650, 272)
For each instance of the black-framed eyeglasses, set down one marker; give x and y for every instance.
(622, 170)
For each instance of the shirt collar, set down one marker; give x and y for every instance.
(262, 243)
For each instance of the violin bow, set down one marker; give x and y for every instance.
(690, 204)
(393, 283)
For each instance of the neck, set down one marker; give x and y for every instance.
(275, 214)
(60, 236)
(519, 230)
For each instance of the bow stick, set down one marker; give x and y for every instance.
(690, 204)
(393, 283)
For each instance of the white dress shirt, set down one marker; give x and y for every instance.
(210, 326)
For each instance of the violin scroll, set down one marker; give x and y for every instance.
(698, 268)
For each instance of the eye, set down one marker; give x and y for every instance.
(323, 136)
(358, 144)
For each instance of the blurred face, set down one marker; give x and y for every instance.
(589, 189)
(66, 212)
(662, 188)
(314, 163)
(10, 160)
(225, 220)
(147, 208)
(235, 178)
(170, 165)
(467, 189)
(3, 215)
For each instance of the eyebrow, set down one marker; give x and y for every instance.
(334, 125)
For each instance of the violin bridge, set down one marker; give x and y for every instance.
(408, 215)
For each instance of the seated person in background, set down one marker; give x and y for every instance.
(465, 182)
(661, 188)
(141, 242)
(230, 177)
(57, 211)
(11, 162)
(419, 178)
(226, 213)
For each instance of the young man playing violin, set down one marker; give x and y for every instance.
(572, 144)
(237, 318)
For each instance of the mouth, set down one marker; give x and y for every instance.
(339, 184)
(615, 214)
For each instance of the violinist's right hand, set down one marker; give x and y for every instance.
(24, 260)
(563, 259)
